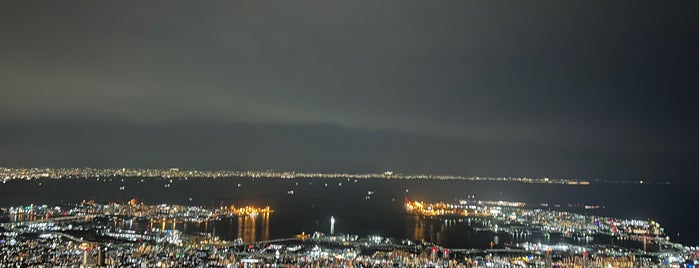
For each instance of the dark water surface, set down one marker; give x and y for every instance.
(358, 212)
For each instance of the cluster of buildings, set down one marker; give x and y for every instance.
(9, 174)
(519, 214)
(58, 249)
(87, 234)
(131, 210)
(596, 241)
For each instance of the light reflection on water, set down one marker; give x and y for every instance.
(311, 206)
(450, 233)
(478, 233)
(248, 228)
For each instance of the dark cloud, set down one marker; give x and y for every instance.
(605, 89)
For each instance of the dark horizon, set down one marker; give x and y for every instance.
(306, 148)
(574, 89)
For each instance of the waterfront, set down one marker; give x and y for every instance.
(119, 234)
(364, 207)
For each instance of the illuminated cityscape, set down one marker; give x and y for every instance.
(357, 134)
(9, 174)
(517, 218)
(525, 235)
(500, 233)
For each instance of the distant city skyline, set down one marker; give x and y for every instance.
(560, 89)
(29, 173)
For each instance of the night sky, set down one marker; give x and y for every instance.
(573, 89)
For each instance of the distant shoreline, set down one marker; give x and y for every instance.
(9, 174)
